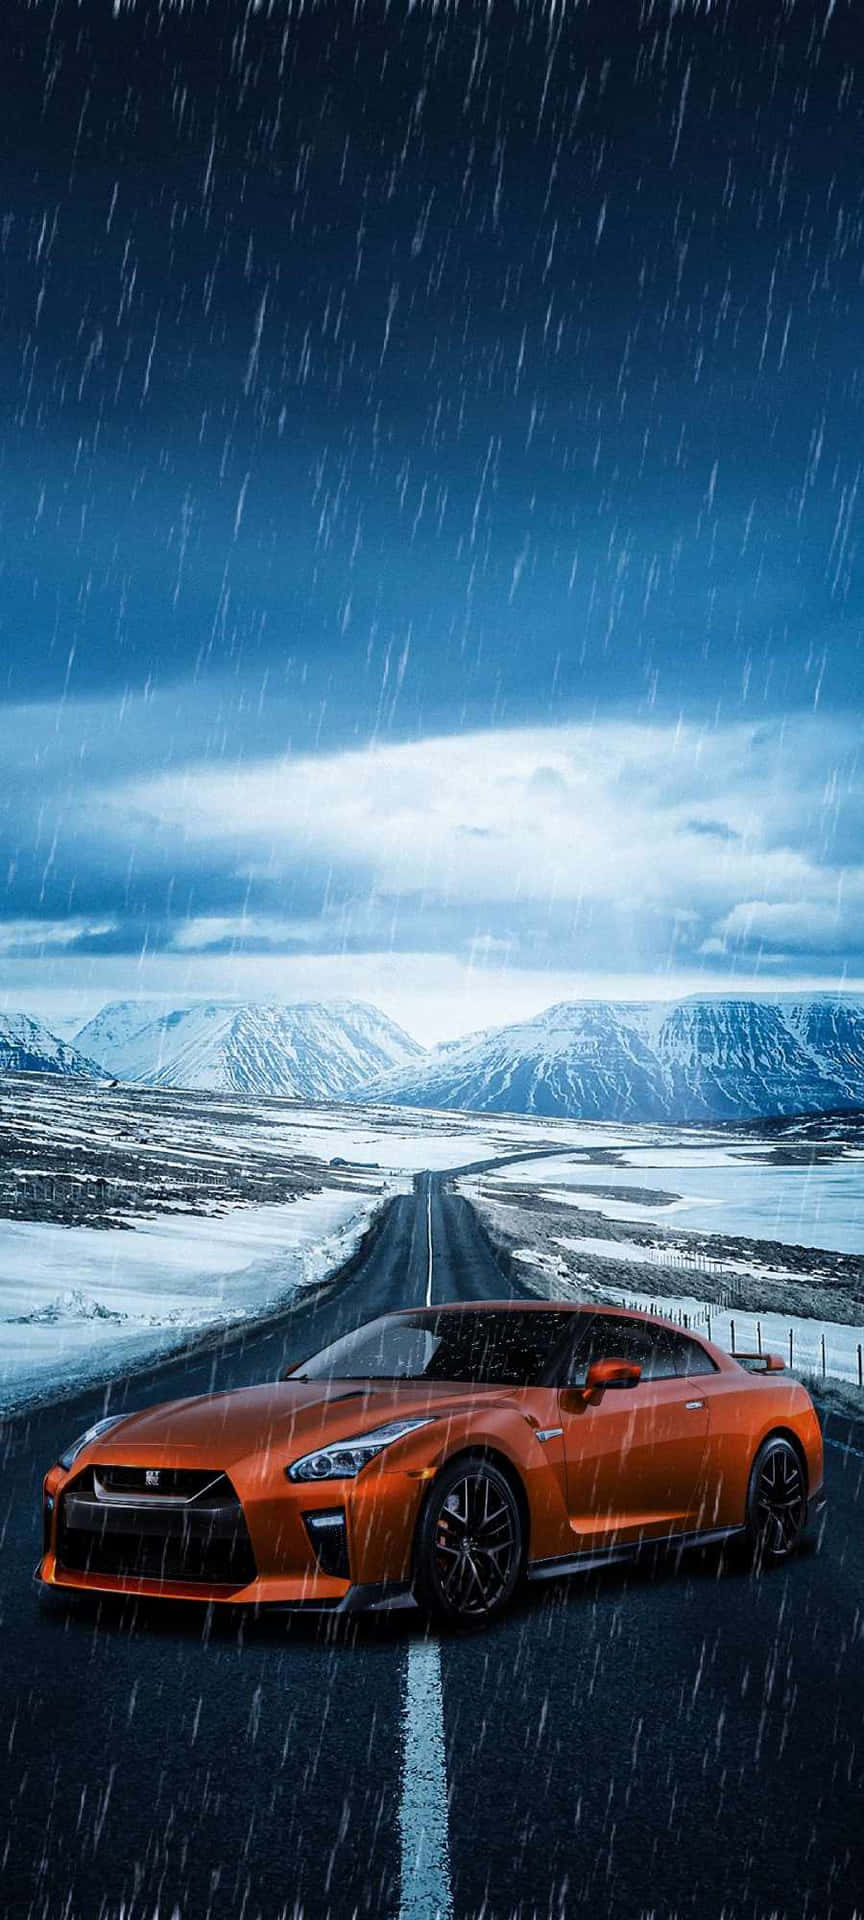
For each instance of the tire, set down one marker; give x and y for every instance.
(469, 1547)
(776, 1503)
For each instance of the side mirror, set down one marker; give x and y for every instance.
(612, 1373)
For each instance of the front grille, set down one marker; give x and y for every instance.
(196, 1535)
(179, 1483)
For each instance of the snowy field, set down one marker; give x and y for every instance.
(209, 1128)
(79, 1302)
(133, 1218)
(721, 1188)
(162, 1213)
(674, 1191)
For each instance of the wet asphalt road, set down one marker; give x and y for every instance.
(666, 1741)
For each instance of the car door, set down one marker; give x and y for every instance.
(634, 1455)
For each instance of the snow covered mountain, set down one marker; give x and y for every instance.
(26, 1046)
(706, 1058)
(314, 1051)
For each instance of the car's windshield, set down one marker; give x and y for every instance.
(489, 1347)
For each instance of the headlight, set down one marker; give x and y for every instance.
(343, 1458)
(84, 1439)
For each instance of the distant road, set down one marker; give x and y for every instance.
(665, 1742)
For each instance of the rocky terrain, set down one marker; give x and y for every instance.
(770, 1276)
(114, 1155)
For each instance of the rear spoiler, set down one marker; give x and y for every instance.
(761, 1362)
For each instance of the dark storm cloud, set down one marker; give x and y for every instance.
(386, 372)
(508, 352)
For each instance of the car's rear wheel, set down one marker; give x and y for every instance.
(469, 1546)
(776, 1502)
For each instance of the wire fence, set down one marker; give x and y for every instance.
(683, 1261)
(699, 1266)
(798, 1349)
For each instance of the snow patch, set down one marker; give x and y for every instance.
(78, 1303)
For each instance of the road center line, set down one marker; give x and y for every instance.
(429, 1245)
(426, 1893)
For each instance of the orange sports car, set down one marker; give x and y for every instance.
(440, 1453)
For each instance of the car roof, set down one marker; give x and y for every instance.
(552, 1306)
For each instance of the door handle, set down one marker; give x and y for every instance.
(692, 1406)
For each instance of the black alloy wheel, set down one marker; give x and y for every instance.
(776, 1502)
(469, 1546)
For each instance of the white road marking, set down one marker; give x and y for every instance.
(429, 1245)
(423, 1823)
(426, 1892)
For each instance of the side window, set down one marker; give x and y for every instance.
(690, 1357)
(608, 1338)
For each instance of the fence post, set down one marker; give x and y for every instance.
(860, 1367)
(823, 1356)
(759, 1335)
(732, 1325)
(708, 1318)
(790, 1345)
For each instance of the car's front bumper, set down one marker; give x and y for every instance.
(318, 1547)
(312, 1593)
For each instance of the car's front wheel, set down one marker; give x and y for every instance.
(776, 1502)
(469, 1546)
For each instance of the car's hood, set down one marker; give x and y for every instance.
(291, 1415)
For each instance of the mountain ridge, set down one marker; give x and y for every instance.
(28, 1046)
(306, 1050)
(706, 1057)
(700, 1059)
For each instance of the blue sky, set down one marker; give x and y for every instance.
(430, 503)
